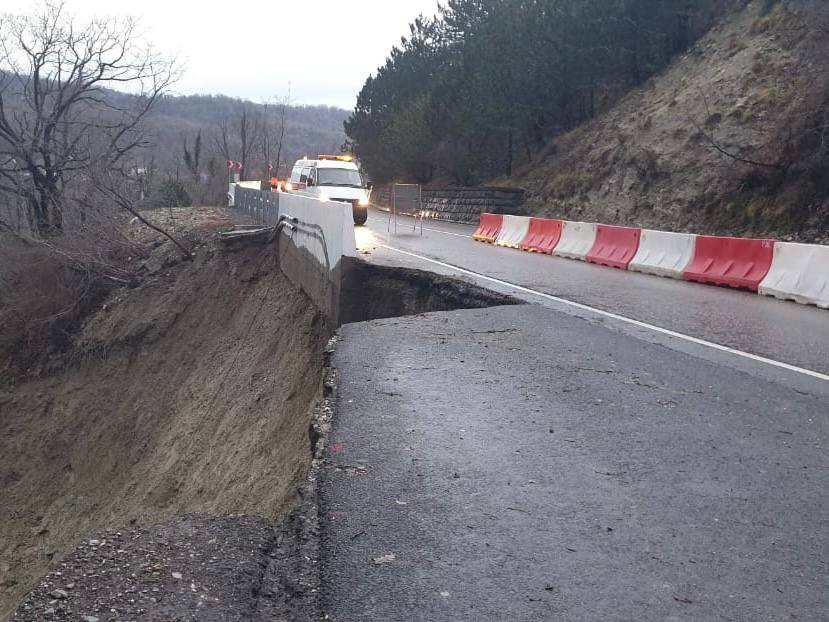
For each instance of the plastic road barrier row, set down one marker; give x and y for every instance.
(799, 272)
(577, 238)
(614, 246)
(788, 271)
(513, 231)
(489, 228)
(542, 236)
(663, 253)
(741, 263)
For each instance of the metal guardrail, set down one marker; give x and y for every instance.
(263, 207)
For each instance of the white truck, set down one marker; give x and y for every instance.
(332, 178)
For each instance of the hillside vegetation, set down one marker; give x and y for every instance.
(702, 116)
(732, 139)
(486, 83)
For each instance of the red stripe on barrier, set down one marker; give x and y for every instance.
(734, 262)
(489, 228)
(543, 236)
(615, 246)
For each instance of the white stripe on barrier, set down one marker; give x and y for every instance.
(513, 231)
(664, 253)
(799, 272)
(577, 238)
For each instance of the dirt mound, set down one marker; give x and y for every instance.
(189, 393)
(731, 139)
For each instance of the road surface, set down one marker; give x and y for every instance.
(553, 462)
(779, 330)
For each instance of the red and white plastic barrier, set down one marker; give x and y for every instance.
(799, 272)
(577, 238)
(513, 231)
(489, 228)
(664, 253)
(543, 236)
(615, 246)
(741, 263)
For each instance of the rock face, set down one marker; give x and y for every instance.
(463, 205)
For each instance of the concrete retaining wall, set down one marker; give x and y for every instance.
(464, 205)
(313, 237)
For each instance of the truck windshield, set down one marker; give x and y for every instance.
(339, 177)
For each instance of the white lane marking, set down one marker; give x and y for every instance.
(621, 318)
(459, 235)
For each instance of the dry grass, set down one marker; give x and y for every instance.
(42, 300)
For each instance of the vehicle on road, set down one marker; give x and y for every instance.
(332, 178)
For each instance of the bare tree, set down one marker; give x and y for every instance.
(238, 135)
(273, 131)
(63, 120)
(192, 159)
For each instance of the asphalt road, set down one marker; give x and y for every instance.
(523, 464)
(554, 462)
(779, 330)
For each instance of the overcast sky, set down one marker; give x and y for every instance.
(325, 49)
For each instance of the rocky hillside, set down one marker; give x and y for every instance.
(733, 138)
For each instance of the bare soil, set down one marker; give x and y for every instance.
(191, 392)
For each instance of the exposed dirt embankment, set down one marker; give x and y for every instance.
(189, 393)
(733, 138)
(148, 459)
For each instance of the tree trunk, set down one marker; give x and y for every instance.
(46, 215)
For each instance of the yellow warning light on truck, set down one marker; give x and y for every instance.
(337, 158)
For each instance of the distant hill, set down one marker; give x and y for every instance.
(309, 129)
(177, 121)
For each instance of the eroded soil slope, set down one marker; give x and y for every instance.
(189, 393)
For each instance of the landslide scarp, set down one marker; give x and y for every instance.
(191, 392)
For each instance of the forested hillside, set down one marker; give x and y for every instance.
(702, 116)
(486, 83)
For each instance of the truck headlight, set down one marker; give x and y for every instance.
(363, 202)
